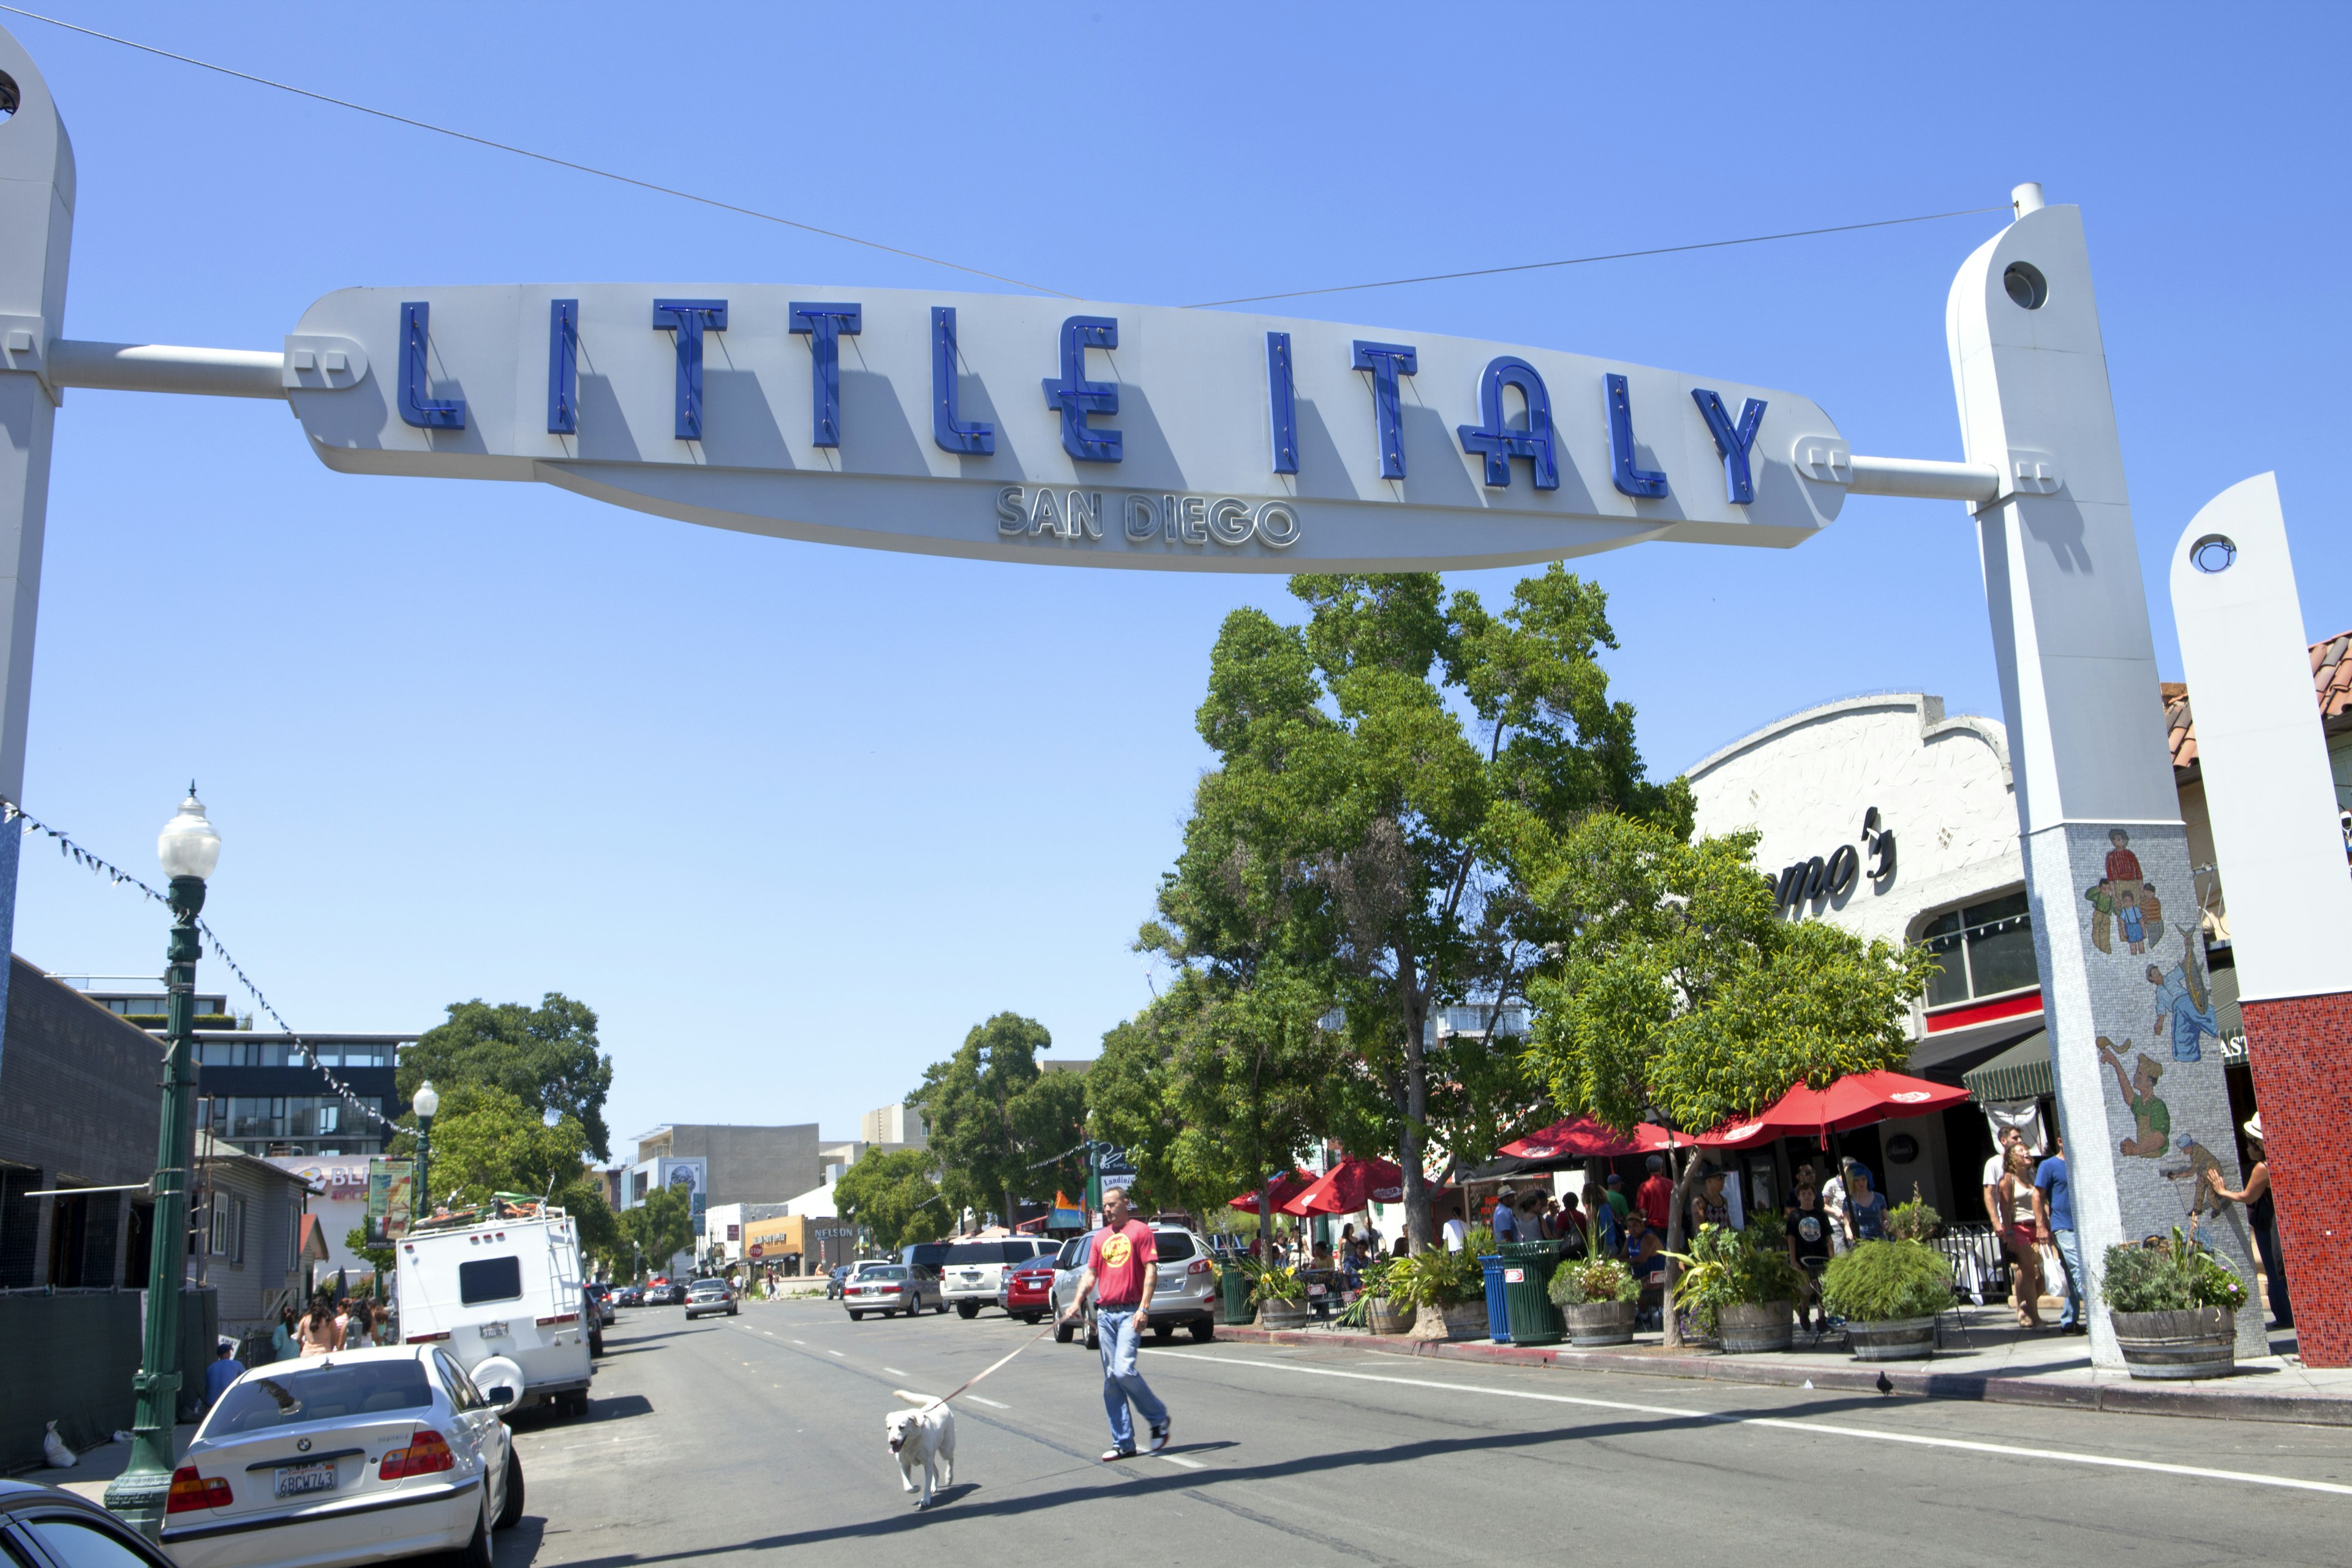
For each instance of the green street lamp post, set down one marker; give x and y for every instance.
(427, 1105)
(189, 849)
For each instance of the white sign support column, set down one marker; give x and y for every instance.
(2136, 1052)
(37, 196)
(2271, 797)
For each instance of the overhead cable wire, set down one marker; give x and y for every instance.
(1584, 260)
(541, 157)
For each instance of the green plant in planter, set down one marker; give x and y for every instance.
(2173, 1275)
(1885, 1281)
(1480, 1242)
(1726, 1268)
(1434, 1279)
(1914, 1221)
(1580, 1284)
(1356, 1313)
(1273, 1282)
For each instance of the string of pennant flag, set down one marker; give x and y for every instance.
(99, 865)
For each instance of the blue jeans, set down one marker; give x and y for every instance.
(1115, 1327)
(2071, 1248)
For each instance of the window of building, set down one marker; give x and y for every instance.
(1986, 950)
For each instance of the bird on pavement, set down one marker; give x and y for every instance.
(1884, 1386)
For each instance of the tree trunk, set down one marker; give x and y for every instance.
(1687, 1167)
(1420, 1226)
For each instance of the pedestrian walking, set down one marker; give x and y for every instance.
(1865, 1211)
(1505, 1223)
(1808, 1232)
(2017, 1198)
(283, 1345)
(2054, 1222)
(316, 1332)
(1833, 1205)
(223, 1372)
(1122, 1270)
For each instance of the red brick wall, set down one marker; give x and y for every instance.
(2300, 1053)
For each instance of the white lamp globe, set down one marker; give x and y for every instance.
(427, 1101)
(188, 846)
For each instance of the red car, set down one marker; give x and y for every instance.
(1028, 1292)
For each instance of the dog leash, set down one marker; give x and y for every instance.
(1015, 1350)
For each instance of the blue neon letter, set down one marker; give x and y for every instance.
(1387, 362)
(690, 319)
(1283, 396)
(1498, 441)
(825, 326)
(1077, 397)
(1734, 443)
(416, 331)
(562, 367)
(1629, 479)
(978, 438)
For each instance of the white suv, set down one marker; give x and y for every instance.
(971, 1271)
(1186, 1293)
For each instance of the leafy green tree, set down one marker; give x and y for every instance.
(1678, 986)
(1378, 771)
(659, 1228)
(382, 1259)
(891, 1194)
(487, 1140)
(1001, 1128)
(545, 1057)
(1216, 1085)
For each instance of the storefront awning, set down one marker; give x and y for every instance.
(2020, 1072)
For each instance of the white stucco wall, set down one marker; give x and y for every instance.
(1941, 785)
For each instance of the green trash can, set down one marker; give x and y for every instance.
(1233, 1297)
(1527, 1284)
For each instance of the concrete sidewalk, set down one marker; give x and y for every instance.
(1984, 1356)
(100, 1466)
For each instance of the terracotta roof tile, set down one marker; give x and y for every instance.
(2331, 684)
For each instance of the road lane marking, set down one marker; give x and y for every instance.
(1181, 1459)
(836, 1353)
(897, 1372)
(2011, 1450)
(976, 1399)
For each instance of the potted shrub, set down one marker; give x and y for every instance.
(1598, 1297)
(1889, 1293)
(2173, 1306)
(1280, 1295)
(1739, 1287)
(1374, 1307)
(1445, 1291)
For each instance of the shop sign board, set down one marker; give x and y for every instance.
(1011, 428)
(391, 1199)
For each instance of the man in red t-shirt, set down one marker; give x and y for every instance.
(1655, 1196)
(1122, 1270)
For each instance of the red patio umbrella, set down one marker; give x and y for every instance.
(1857, 1100)
(1353, 1182)
(1286, 1186)
(1585, 1139)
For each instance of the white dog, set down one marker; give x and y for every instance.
(924, 1436)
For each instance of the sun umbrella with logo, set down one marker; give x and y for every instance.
(1349, 1186)
(1286, 1186)
(1857, 1100)
(1582, 1138)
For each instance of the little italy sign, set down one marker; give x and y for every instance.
(1003, 427)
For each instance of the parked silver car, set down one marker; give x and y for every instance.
(1186, 1293)
(711, 1294)
(904, 1288)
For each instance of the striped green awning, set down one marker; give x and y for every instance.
(2020, 1072)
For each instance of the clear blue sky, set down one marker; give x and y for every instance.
(793, 818)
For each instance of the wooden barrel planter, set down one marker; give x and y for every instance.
(1455, 1320)
(1282, 1314)
(2199, 1342)
(1601, 1323)
(1755, 1330)
(1384, 1317)
(1896, 1338)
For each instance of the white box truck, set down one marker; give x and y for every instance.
(504, 1294)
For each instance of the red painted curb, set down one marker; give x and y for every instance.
(2224, 1404)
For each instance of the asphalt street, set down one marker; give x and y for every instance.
(730, 1437)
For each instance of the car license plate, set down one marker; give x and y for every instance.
(293, 1480)
(494, 1330)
